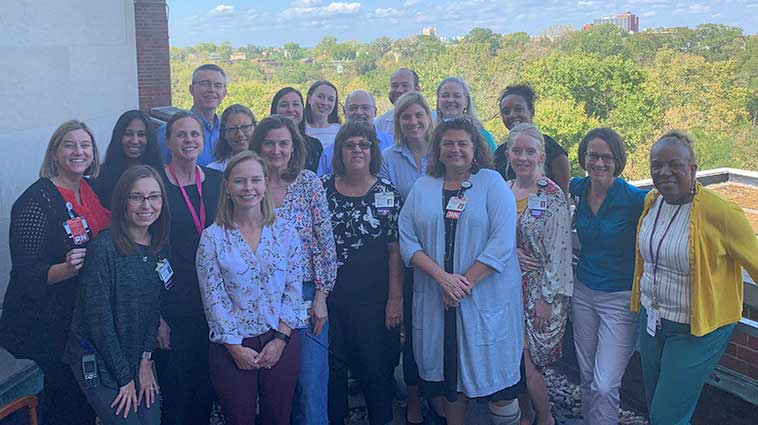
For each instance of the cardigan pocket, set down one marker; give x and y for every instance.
(491, 327)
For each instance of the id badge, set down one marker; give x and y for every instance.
(77, 230)
(165, 272)
(537, 205)
(384, 200)
(653, 321)
(89, 371)
(456, 204)
(305, 311)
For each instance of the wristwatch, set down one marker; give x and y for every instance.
(147, 355)
(281, 335)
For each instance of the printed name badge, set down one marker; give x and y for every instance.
(384, 201)
(537, 204)
(77, 230)
(165, 272)
(652, 321)
(455, 207)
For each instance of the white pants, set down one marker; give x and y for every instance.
(605, 336)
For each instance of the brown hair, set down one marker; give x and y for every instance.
(181, 115)
(225, 210)
(353, 129)
(160, 228)
(274, 122)
(49, 167)
(403, 103)
(482, 155)
(609, 136)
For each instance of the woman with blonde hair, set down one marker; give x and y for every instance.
(52, 223)
(249, 270)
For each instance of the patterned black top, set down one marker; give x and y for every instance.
(361, 234)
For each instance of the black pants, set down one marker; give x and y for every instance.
(183, 374)
(410, 369)
(359, 340)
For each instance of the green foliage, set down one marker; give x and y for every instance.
(702, 80)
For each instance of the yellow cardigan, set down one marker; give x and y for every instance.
(721, 239)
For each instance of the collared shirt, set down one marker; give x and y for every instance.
(384, 123)
(210, 131)
(325, 163)
(246, 293)
(608, 238)
(399, 167)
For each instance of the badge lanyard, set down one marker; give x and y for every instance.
(655, 257)
(76, 227)
(199, 222)
(453, 212)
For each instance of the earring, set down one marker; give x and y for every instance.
(692, 190)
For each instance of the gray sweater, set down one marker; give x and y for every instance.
(117, 310)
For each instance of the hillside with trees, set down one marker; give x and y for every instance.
(703, 80)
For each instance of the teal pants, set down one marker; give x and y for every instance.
(675, 365)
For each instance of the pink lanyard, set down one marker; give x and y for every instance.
(199, 223)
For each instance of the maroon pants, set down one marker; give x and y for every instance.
(238, 389)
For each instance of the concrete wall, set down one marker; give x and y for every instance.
(60, 60)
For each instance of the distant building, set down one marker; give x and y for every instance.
(628, 22)
(238, 56)
(430, 31)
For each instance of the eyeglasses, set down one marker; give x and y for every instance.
(363, 145)
(362, 108)
(206, 84)
(137, 199)
(606, 157)
(462, 119)
(247, 129)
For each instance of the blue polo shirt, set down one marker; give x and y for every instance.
(211, 133)
(399, 167)
(325, 163)
(608, 238)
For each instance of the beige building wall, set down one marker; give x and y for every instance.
(61, 59)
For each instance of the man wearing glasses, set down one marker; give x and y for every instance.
(208, 89)
(360, 106)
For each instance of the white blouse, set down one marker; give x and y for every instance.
(672, 277)
(246, 293)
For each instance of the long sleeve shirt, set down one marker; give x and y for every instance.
(117, 311)
(246, 293)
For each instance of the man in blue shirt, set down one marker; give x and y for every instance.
(208, 89)
(360, 106)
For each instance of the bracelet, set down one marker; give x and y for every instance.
(281, 335)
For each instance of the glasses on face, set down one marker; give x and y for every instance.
(137, 199)
(206, 84)
(673, 166)
(606, 157)
(247, 129)
(364, 145)
(362, 108)
(459, 120)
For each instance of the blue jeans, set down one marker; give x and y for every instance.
(311, 392)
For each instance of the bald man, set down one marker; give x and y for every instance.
(360, 106)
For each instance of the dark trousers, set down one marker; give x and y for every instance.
(183, 374)
(238, 389)
(360, 341)
(61, 400)
(410, 369)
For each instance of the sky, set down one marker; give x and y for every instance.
(273, 23)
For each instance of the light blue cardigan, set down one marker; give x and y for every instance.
(490, 320)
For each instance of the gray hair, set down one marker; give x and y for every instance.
(470, 109)
(371, 96)
(208, 67)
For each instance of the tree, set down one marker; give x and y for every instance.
(483, 36)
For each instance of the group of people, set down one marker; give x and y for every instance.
(261, 263)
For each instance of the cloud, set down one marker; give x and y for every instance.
(410, 3)
(649, 13)
(386, 13)
(296, 10)
(222, 9)
(585, 3)
(699, 8)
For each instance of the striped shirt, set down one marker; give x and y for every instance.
(672, 274)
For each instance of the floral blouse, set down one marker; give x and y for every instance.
(546, 236)
(305, 207)
(358, 223)
(247, 293)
